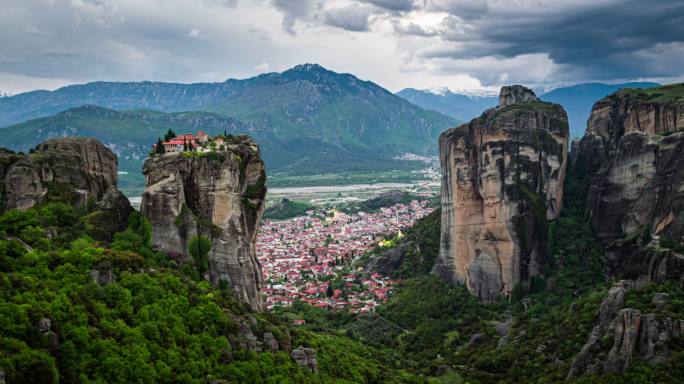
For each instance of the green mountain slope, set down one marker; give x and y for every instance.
(308, 119)
(130, 135)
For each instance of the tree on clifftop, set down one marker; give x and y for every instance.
(159, 148)
(169, 135)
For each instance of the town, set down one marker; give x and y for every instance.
(309, 258)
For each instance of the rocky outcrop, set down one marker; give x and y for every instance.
(305, 357)
(631, 333)
(502, 179)
(512, 94)
(78, 171)
(217, 195)
(633, 152)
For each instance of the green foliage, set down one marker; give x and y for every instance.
(159, 148)
(199, 247)
(286, 209)
(386, 199)
(430, 311)
(170, 134)
(148, 323)
(666, 94)
(667, 242)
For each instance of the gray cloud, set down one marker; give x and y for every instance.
(426, 42)
(352, 18)
(464, 9)
(294, 10)
(583, 40)
(224, 3)
(392, 5)
(413, 29)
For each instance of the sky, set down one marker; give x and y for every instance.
(474, 45)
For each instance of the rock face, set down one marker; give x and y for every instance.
(74, 170)
(217, 195)
(633, 151)
(512, 94)
(502, 179)
(305, 357)
(634, 335)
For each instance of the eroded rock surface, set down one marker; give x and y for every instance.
(632, 334)
(512, 94)
(633, 151)
(305, 357)
(502, 179)
(74, 170)
(219, 196)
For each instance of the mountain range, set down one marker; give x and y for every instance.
(577, 101)
(308, 119)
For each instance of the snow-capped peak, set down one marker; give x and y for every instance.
(472, 93)
(440, 91)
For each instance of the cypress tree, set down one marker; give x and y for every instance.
(159, 149)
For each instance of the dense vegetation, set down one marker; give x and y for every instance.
(73, 310)
(531, 338)
(384, 200)
(673, 93)
(286, 209)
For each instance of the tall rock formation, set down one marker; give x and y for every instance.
(73, 170)
(633, 155)
(502, 179)
(218, 195)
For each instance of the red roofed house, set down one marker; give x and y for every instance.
(179, 143)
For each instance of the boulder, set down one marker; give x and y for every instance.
(502, 180)
(44, 325)
(305, 357)
(270, 341)
(660, 300)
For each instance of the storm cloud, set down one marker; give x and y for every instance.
(397, 43)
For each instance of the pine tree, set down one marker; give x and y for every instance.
(169, 135)
(329, 292)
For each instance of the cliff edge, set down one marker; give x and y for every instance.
(633, 158)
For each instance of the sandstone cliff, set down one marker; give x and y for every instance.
(74, 170)
(502, 179)
(217, 195)
(633, 155)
